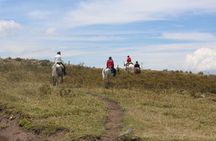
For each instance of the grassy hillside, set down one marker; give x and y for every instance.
(157, 105)
(26, 89)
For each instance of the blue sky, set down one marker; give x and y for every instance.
(160, 34)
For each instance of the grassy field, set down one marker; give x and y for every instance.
(167, 115)
(165, 106)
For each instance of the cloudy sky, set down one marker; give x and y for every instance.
(160, 34)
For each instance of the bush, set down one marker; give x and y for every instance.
(24, 122)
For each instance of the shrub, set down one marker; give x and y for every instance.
(24, 122)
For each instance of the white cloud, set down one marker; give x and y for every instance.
(167, 56)
(39, 15)
(8, 27)
(34, 49)
(203, 59)
(125, 11)
(17, 47)
(51, 31)
(86, 38)
(193, 36)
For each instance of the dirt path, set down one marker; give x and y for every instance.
(10, 131)
(113, 123)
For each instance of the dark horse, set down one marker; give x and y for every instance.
(57, 74)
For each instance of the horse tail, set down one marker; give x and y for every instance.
(53, 70)
(103, 73)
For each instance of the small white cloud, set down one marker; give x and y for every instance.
(193, 36)
(203, 59)
(51, 31)
(38, 14)
(8, 27)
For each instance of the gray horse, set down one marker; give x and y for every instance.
(57, 74)
(106, 75)
(129, 67)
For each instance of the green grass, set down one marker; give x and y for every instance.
(47, 112)
(167, 116)
(166, 106)
(27, 89)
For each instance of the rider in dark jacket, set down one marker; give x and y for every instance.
(137, 65)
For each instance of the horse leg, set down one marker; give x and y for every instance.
(61, 79)
(54, 81)
(108, 81)
(58, 80)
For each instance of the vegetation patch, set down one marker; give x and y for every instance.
(157, 105)
(47, 129)
(24, 122)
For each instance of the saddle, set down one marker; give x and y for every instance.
(59, 64)
(113, 71)
(127, 64)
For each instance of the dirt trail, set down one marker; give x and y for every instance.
(10, 131)
(113, 123)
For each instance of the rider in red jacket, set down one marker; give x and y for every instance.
(128, 60)
(110, 65)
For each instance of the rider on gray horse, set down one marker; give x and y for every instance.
(58, 60)
(137, 65)
(137, 68)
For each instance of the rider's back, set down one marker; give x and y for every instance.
(58, 58)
